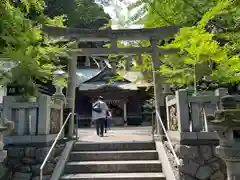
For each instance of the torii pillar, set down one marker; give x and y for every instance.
(158, 95)
(71, 89)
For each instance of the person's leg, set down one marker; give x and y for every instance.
(97, 121)
(105, 123)
(102, 123)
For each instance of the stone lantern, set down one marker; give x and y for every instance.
(58, 95)
(5, 127)
(226, 123)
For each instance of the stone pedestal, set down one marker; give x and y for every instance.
(25, 155)
(197, 153)
(60, 99)
(227, 124)
(24, 160)
(3, 153)
(5, 127)
(26, 152)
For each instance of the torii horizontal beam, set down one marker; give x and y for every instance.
(108, 34)
(119, 51)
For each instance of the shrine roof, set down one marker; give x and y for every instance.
(86, 74)
(129, 80)
(102, 85)
(106, 75)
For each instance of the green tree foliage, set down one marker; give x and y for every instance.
(24, 44)
(78, 13)
(208, 40)
(205, 44)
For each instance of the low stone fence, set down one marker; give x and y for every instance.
(185, 111)
(23, 162)
(193, 138)
(36, 127)
(33, 118)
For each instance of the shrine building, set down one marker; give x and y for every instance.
(124, 91)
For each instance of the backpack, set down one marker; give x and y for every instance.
(97, 108)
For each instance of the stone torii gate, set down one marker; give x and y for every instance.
(112, 36)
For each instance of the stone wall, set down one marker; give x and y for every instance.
(199, 162)
(23, 162)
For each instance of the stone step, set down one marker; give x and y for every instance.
(113, 155)
(115, 176)
(113, 166)
(113, 146)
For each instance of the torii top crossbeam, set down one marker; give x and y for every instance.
(152, 34)
(86, 35)
(108, 34)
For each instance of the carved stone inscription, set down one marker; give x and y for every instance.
(173, 121)
(55, 116)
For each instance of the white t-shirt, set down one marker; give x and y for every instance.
(104, 107)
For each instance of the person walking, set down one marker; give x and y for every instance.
(99, 113)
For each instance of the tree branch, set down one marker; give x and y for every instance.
(158, 13)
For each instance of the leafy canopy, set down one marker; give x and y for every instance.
(78, 13)
(24, 44)
(200, 47)
(208, 40)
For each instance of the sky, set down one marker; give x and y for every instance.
(122, 11)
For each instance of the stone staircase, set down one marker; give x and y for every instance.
(113, 161)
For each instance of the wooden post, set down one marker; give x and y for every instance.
(157, 81)
(71, 89)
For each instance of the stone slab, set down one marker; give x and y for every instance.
(113, 146)
(114, 155)
(113, 166)
(193, 138)
(115, 176)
